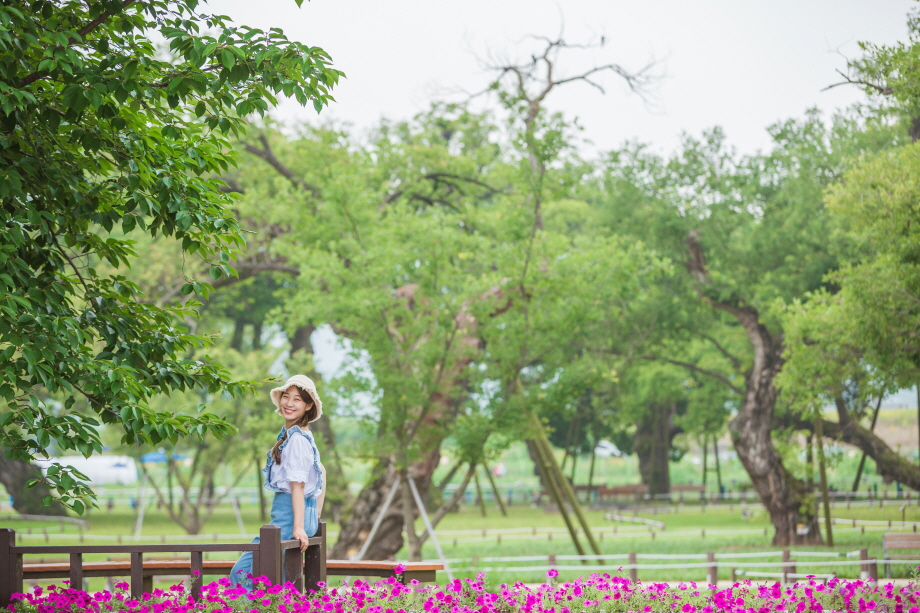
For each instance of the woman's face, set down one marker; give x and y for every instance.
(293, 405)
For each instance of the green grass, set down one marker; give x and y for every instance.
(469, 551)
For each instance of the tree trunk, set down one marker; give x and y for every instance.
(389, 538)
(14, 475)
(652, 443)
(782, 494)
(337, 494)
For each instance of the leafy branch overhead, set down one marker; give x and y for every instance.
(102, 137)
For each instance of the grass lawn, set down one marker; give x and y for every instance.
(682, 535)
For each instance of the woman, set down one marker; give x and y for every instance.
(293, 470)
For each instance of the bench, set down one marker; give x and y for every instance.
(898, 540)
(637, 491)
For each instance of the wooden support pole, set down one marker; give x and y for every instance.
(479, 497)
(822, 472)
(495, 492)
(550, 482)
(568, 492)
(415, 545)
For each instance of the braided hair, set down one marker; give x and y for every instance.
(303, 422)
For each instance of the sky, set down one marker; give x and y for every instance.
(738, 64)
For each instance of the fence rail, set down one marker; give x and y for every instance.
(711, 562)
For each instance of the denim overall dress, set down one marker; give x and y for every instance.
(282, 507)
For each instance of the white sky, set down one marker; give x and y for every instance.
(739, 64)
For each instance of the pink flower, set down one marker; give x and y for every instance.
(551, 573)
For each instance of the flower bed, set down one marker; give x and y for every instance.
(595, 593)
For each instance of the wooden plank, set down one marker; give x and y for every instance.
(85, 549)
(185, 565)
(418, 575)
(376, 565)
(137, 574)
(76, 571)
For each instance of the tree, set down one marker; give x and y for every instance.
(856, 340)
(103, 138)
(859, 342)
(752, 232)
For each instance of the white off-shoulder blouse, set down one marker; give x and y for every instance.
(298, 458)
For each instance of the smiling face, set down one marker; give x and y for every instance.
(294, 404)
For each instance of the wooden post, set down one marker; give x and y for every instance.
(137, 574)
(864, 568)
(294, 562)
(10, 567)
(76, 571)
(270, 553)
(712, 576)
(872, 567)
(788, 566)
(197, 580)
(633, 572)
(315, 562)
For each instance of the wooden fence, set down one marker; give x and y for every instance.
(269, 556)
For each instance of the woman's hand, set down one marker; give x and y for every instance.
(301, 536)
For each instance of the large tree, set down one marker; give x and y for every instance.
(103, 135)
(753, 232)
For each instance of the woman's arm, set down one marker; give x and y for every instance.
(298, 504)
(322, 494)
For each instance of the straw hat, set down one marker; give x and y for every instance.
(306, 384)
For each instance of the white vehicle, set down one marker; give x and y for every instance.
(101, 469)
(606, 449)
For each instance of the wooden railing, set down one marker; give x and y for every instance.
(269, 557)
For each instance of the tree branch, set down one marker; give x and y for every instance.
(735, 361)
(88, 28)
(702, 371)
(268, 155)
